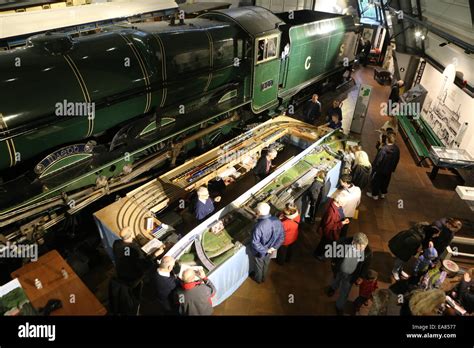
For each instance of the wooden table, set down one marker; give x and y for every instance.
(76, 298)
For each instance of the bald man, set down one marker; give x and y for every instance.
(166, 283)
(194, 296)
(131, 263)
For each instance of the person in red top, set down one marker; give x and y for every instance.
(290, 218)
(330, 226)
(366, 289)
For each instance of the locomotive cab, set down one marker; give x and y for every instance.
(262, 28)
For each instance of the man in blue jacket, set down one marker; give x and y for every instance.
(267, 237)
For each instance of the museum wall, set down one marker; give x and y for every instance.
(448, 102)
(444, 56)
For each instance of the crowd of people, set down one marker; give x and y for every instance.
(274, 236)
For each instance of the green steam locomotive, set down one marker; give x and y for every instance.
(70, 108)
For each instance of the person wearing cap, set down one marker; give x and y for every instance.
(290, 218)
(194, 296)
(131, 263)
(166, 283)
(204, 205)
(267, 236)
(264, 165)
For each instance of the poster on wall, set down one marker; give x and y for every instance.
(447, 109)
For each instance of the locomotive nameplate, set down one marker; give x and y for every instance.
(266, 85)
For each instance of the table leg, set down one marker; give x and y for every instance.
(434, 172)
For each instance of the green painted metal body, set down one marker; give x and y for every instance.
(124, 73)
(187, 73)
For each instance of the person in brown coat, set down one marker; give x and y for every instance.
(331, 225)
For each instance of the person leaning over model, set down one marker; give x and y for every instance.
(447, 228)
(349, 195)
(349, 269)
(264, 165)
(194, 296)
(131, 262)
(267, 237)
(384, 165)
(290, 218)
(314, 196)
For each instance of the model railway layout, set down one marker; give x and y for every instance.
(231, 229)
(151, 198)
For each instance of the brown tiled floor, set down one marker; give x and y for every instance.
(304, 279)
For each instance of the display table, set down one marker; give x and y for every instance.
(221, 243)
(449, 158)
(76, 298)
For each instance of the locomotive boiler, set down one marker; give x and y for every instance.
(70, 109)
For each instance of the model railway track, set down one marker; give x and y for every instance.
(154, 196)
(202, 255)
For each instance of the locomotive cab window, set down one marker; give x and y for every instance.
(267, 48)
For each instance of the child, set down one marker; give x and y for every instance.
(434, 277)
(426, 260)
(335, 123)
(366, 290)
(424, 263)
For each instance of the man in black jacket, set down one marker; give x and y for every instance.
(314, 196)
(264, 164)
(447, 228)
(394, 97)
(406, 244)
(131, 263)
(335, 109)
(312, 110)
(351, 262)
(384, 165)
(194, 297)
(166, 283)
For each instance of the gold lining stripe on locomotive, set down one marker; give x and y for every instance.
(9, 142)
(85, 91)
(142, 65)
(163, 68)
(211, 60)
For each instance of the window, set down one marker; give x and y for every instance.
(369, 10)
(267, 49)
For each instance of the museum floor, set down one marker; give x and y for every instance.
(305, 278)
